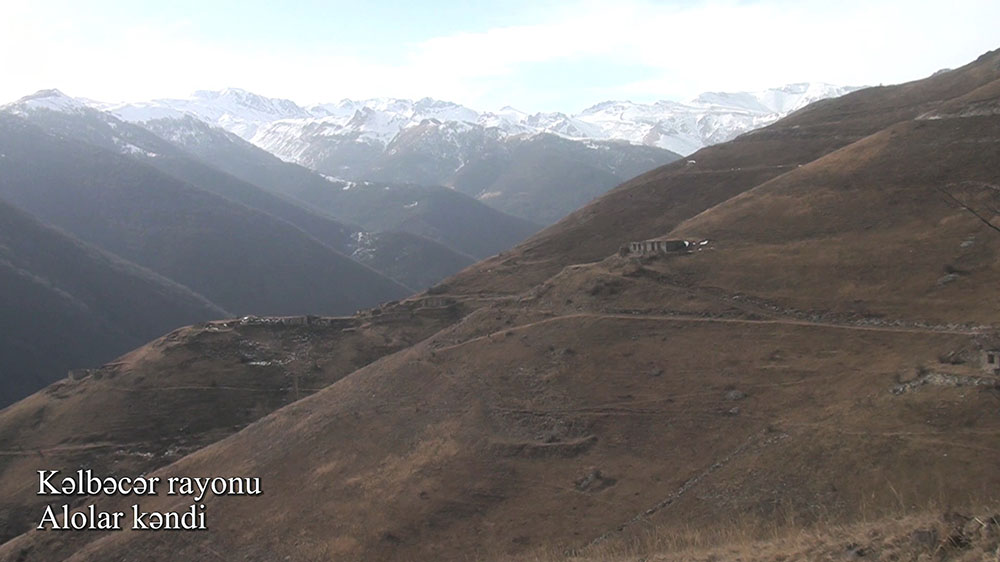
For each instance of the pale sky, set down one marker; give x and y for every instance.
(536, 55)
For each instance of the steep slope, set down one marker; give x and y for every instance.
(430, 211)
(926, 185)
(186, 390)
(235, 156)
(546, 177)
(557, 433)
(56, 113)
(655, 203)
(371, 125)
(412, 260)
(240, 258)
(540, 177)
(236, 110)
(614, 392)
(431, 151)
(435, 142)
(68, 305)
(710, 118)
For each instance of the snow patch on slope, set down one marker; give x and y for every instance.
(293, 132)
(52, 100)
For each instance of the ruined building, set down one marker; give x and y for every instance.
(991, 361)
(659, 246)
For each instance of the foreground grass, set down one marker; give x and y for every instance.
(970, 535)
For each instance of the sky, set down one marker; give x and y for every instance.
(538, 55)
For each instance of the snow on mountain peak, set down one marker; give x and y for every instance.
(283, 127)
(51, 99)
(234, 109)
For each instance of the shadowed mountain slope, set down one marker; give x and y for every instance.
(415, 261)
(224, 164)
(107, 131)
(412, 260)
(240, 258)
(67, 305)
(435, 212)
(540, 178)
(450, 218)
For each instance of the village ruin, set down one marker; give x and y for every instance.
(991, 361)
(662, 246)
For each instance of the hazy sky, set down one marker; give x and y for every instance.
(535, 55)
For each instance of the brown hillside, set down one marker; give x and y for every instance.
(185, 390)
(579, 428)
(655, 203)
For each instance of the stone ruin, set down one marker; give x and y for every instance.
(991, 361)
(304, 320)
(660, 246)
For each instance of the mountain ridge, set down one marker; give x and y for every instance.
(709, 118)
(212, 244)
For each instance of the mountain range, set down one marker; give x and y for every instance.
(276, 124)
(133, 203)
(539, 166)
(194, 225)
(808, 355)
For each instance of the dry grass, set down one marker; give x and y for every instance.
(952, 534)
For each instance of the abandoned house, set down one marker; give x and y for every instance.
(991, 361)
(658, 246)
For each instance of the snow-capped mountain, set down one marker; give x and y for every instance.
(481, 154)
(710, 118)
(48, 99)
(288, 130)
(206, 159)
(233, 109)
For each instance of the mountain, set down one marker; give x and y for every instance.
(710, 118)
(545, 177)
(540, 177)
(412, 260)
(434, 212)
(831, 312)
(184, 391)
(205, 156)
(69, 305)
(56, 113)
(242, 259)
(233, 109)
(436, 142)
(497, 168)
(387, 240)
(278, 124)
